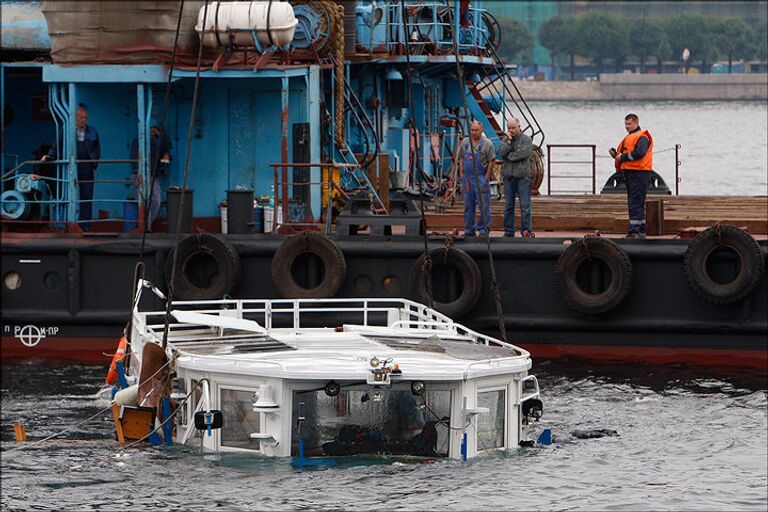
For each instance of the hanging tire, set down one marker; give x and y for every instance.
(332, 275)
(459, 261)
(616, 289)
(748, 252)
(208, 268)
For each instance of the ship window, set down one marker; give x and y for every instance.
(12, 280)
(240, 421)
(490, 425)
(374, 421)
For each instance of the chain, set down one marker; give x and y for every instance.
(448, 246)
(586, 245)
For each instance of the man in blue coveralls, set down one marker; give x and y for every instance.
(88, 148)
(476, 158)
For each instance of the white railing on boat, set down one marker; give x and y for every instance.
(402, 316)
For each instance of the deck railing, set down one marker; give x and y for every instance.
(59, 196)
(396, 314)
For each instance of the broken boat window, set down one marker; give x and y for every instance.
(360, 422)
(240, 421)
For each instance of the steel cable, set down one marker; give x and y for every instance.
(190, 131)
(494, 281)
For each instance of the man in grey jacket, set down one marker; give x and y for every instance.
(515, 153)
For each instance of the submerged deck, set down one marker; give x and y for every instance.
(608, 213)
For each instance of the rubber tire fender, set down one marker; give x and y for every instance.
(746, 248)
(224, 255)
(308, 242)
(613, 256)
(470, 274)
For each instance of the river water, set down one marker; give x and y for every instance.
(724, 145)
(689, 439)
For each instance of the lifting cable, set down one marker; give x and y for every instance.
(195, 92)
(426, 268)
(494, 282)
(154, 160)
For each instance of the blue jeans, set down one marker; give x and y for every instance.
(154, 205)
(520, 187)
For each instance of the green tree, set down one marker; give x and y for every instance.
(516, 40)
(662, 52)
(558, 35)
(734, 39)
(693, 32)
(601, 37)
(761, 36)
(646, 36)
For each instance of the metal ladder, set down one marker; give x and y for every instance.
(499, 76)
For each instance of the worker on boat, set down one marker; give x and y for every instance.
(515, 152)
(634, 160)
(159, 160)
(476, 158)
(88, 148)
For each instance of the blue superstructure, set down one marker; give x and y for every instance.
(259, 111)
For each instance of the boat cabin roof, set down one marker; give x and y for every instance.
(425, 344)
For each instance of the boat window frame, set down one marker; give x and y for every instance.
(504, 387)
(452, 387)
(220, 386)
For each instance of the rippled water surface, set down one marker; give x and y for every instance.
(724, 144)
(689, 439)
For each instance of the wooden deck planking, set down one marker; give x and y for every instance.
(608, 213)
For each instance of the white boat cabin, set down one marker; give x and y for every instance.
(338, 377)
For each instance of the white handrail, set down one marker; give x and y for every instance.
(532, 395)
(411, 313)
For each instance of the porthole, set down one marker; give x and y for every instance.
(391, 285)
(51, 281)
(363, 284)
(12, 280)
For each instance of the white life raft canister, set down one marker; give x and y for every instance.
(239, 19)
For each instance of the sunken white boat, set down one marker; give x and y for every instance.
(331, 377)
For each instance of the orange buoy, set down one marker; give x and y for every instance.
(119, 356)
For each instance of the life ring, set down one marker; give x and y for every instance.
(567, 272)
(750, 258)
(208, 268)
(471, 280)
(331, 276)
(119, 356)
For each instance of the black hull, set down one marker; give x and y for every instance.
(81, 287)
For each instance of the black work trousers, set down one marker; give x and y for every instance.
(637, 188)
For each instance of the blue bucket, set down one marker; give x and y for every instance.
(258, 219)
(130, 216)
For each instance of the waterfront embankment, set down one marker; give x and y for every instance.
(613, 87)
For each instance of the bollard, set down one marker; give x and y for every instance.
(654, 217)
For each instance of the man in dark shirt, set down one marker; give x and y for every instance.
(88, 148)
